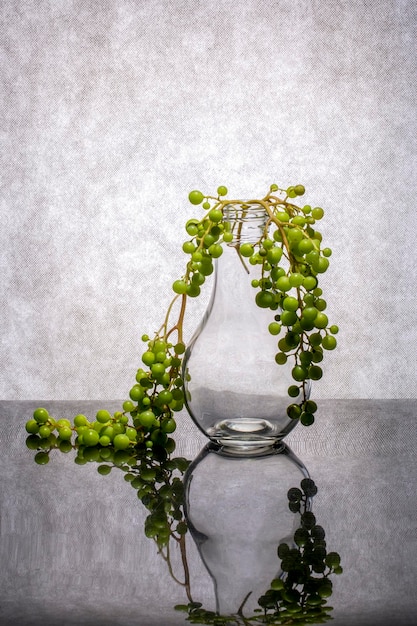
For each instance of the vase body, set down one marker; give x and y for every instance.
(235, 391)
(237, 511)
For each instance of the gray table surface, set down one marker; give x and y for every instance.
(73, 550)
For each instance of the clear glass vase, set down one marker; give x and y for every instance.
(235, 391)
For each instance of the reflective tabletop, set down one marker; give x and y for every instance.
(73, 550)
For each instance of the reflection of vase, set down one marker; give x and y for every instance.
(237, 512)
(235, 391)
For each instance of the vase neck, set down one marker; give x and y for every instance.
(246, 221)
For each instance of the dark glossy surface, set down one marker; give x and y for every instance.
(73, 551)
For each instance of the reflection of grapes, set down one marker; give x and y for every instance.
(299, 595)
(142, 453)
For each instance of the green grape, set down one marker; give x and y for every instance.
(315, 339)
(305, 246)
(104, 470)
(195, 197)
(281, 358)
(296, 279)
(309, 283)
(329, 342)
(222, 191)
(157, 369)
(44, 431)
(264, 299)
(334, 329)
(103, 416)
(274, 255)
(246, 249)
(131, 433)
(288, 318)
(193, 291)
(321, 320)
(305, 358)
(169, 426)
(90, 437)
(293, 391)
(326, 252)
(299, 190)
(298, 220)
(65, 433)
(227, 237)
(321, 265)
(283, 283)
(306, 418)
(315, 372)
(299, 373)
(290, 304)
(41, 415)
(179, 287)
(294, 236)
(191, 227)
(309, 313)
(148, 357)
(317, 213)
(274, 328)
(293, 411)
(128, 406)
(310, 406)
(215, 250)
(32, 426)
(188, 247)
(146, 418)
(121, 441)
(216, 215)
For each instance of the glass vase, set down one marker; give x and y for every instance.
(235, 391)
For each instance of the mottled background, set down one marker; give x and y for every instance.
(112, 110)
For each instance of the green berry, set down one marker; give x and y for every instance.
(80, 420)
(195, 197)
(329, 342)
(179, 286)
(90, 437)
(246, 249)
(274, 328)
(121, 441)
(216, 215)
(222, 190)
(32, 426)
(317, 213)
(41, 415)
(103, 417)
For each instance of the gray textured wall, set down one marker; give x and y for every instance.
(112, 110)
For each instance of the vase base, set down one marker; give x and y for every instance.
(245, 434)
